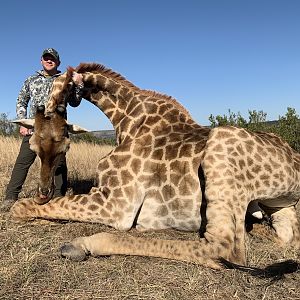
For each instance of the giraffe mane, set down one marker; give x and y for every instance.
(99, 68)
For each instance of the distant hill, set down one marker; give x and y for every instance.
(104, 134)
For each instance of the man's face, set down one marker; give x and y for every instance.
(49, 63)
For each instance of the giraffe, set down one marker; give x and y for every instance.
(160, 170)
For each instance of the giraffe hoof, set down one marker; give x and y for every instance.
(69, 251)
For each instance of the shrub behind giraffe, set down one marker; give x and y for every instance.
(287, 126)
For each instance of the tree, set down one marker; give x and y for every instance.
(288, 127)
(6, 127)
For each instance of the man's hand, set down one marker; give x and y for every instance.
(77, 79)
(25, 131)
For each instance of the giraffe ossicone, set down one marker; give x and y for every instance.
(167, 171)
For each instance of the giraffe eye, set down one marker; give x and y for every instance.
(61, 108)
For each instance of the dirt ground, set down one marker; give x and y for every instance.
(31, 268)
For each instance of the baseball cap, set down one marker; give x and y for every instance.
(51, 51)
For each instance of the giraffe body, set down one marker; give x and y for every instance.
(158, 173)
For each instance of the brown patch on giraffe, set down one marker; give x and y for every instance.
(117, 116)
(250, 161)
(126, 177)
(258, 139)
(231, 141)
(171, 152)
(117, 193)
(84, 201)
(98, 199)
(157, 154)
(113, 181)
(104, 213)
(249, 175)
(113, 86)
(151, 120)
(124, 124)
(242, 164)
(103, 165)
(141, 151)
(162, 211)
(268, 168)
(232, 161)
(199, 147)
(129, 191)
(271, 150)
(168, 192)
(210, 159)
(136, 165)
(120, 160)
(172, 116)
(256, 169)
(137, 111)
(230, 181)
(161, 130)
(218, 148)
(179, 167)
(249, 146)
(243, 134)
(288, 170)
(187, 186)
(240, 150)
(140, 129)
(223, 134)
(133, 105)
(117, 215)
(258, 157)
(158, 171)
(275, 184)
(288, 159)
(240, 177)
(264, 177)
(221, 166)
(162, 109)
(125, 94)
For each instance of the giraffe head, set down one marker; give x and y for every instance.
(49, 141)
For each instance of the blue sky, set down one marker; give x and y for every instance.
(211, 55)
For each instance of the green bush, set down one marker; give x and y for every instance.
(90, 138)
(287, 126)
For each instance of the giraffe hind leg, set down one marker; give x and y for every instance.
(286, 225)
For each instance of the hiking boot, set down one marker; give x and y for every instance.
(6, 204)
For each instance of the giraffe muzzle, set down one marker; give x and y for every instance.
(44, 195)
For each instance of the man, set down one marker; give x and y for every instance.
(36, 89)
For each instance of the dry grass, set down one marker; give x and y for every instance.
(31, 268)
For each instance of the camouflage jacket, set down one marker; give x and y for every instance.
(36, 89)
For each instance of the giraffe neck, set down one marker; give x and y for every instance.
(128, 107)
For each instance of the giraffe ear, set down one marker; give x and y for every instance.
(28, 123)
(72, 128)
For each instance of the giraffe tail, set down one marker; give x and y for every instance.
(275, 271)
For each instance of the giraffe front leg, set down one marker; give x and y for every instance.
(24, 210)
(94, 208)
(225, 231)
(225, 227)
(103, 244)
